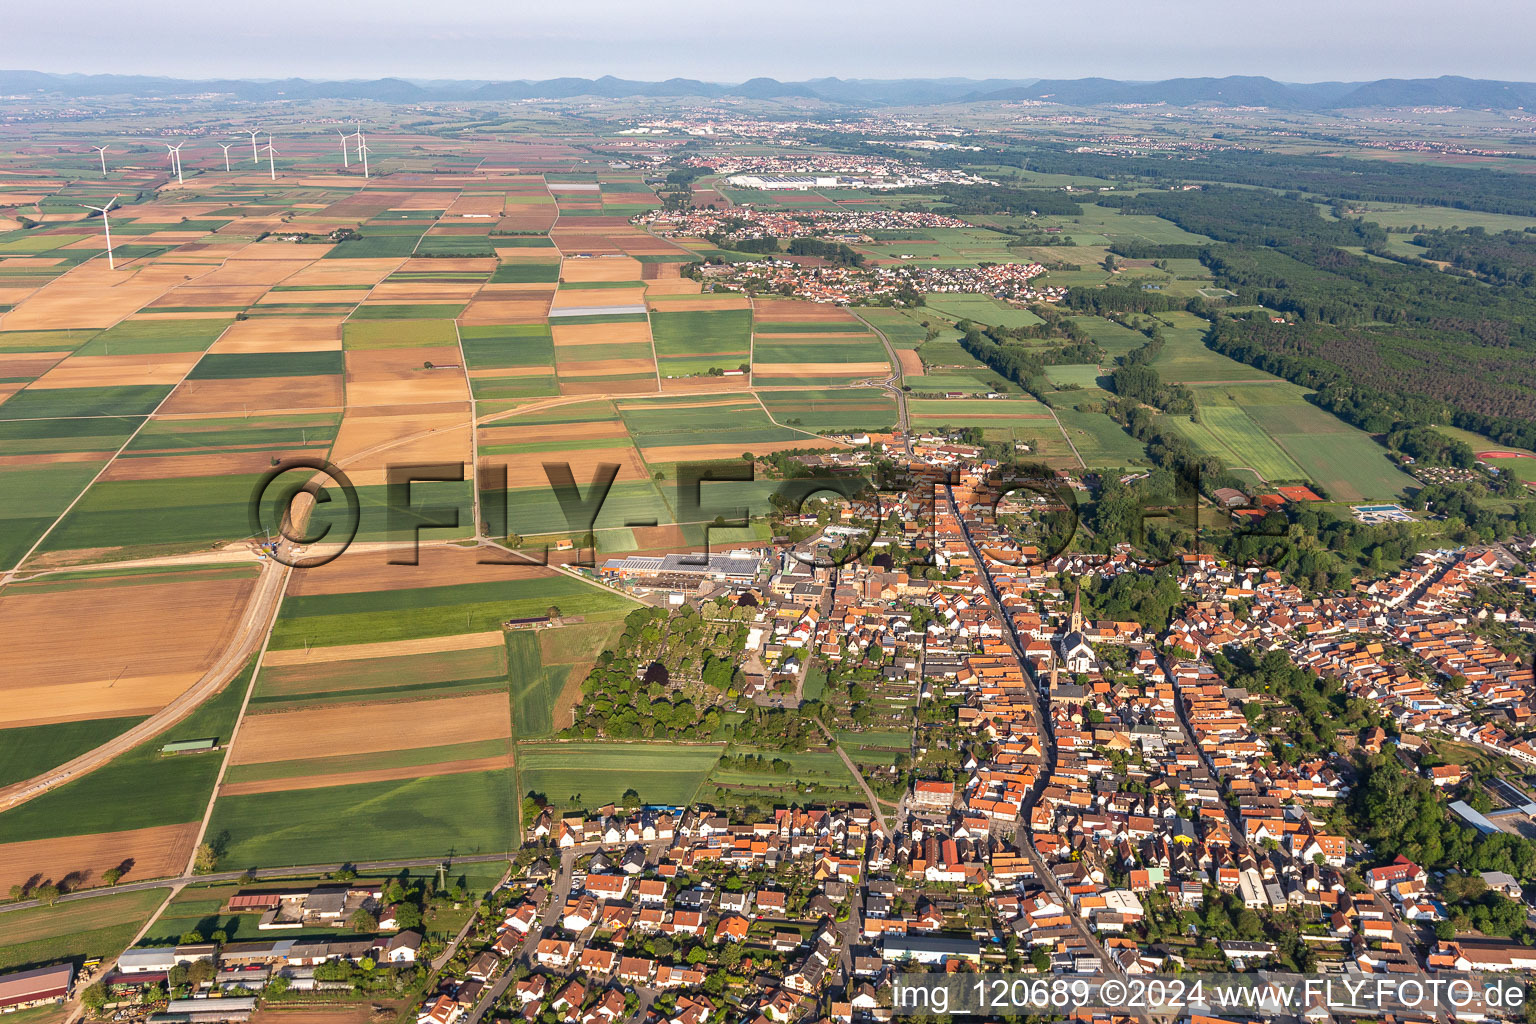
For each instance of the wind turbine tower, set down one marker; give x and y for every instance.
(362, 146)
(176, 159)
(225, 146)
(107, 227)
(103, 151)
(344, 161)
(255, 159)
(271, 162)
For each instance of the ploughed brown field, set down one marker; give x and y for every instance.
(337, 729)
(155, 852)
(113, 648)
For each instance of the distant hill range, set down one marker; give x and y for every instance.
(1235, 91)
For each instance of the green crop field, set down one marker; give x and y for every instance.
(1084, 375)
(100, 927)
(901, 328)
(464, 814)
(1099, 440)
(982, 309)
(1228, 433)
(376, 334)
(223, 433)
(124, 400)
(327, 620)
(509, 345)
(535, 686)
(154, 337)
(31, 498)
(175, 513)
(585, 775)
(236, 366)
(702, 332)
(849, 409)
(35, 749)
(1186, 359)
(1344, 460)
(407, 311)
(112, 798)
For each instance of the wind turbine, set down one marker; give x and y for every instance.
(358, 135)
(111, 264)
(175, 152)
(225, 146)
(103, 151)
(343, 136)
(362, 146)
(254, 158)
(271, 163)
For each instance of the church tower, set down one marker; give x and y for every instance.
(1076, 625)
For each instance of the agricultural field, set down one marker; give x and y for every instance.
(75, 931)
(1272, 430)
(587, 775)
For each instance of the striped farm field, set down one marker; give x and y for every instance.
(330, 619)
(466, 813)
(382, 673)
(833, 409)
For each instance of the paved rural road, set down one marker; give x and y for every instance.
(249, 635)
(893, 383)
(301, 870)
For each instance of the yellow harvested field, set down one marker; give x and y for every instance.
(584, 269)
(599, 334)
(553, 432)
(911, 365)
(210, 295)
(245, 271)
(367, 568)
(703, 383)
(93, 296)
(281, 334)
(600, 298)
(673, 286)
(399, 376)
(821, 369)
(147, 642)
(423, 291)
(28, 364)
(371, 442)
(270, 249)
(486, 206)
(339, 272)
(111, 371)
(495, 372)
(390, 649)
(164, 467)
(798, 310)
(349, 295)
(338, 730)
(504, 310)
(156, 853)
(256, 395)
(603, 367)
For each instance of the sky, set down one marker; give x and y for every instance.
(733, 40)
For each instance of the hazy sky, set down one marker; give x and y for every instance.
(731, 40)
